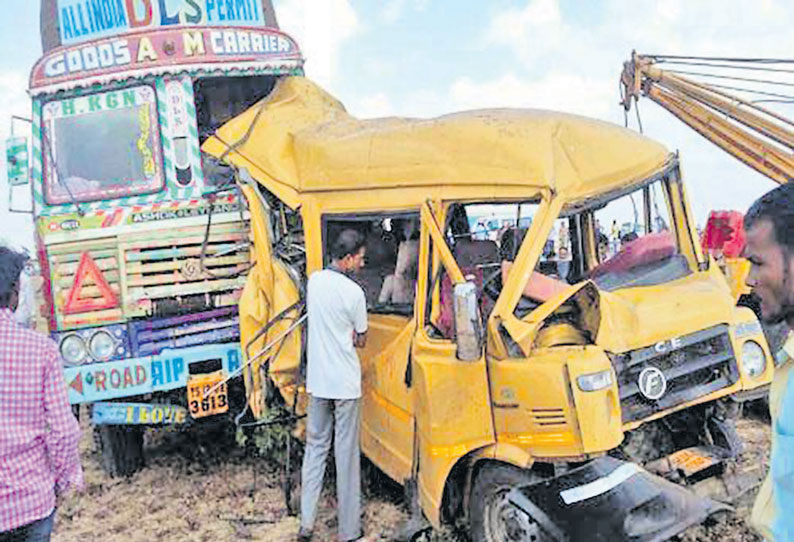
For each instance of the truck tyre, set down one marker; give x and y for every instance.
(120, 448)
(492, 517)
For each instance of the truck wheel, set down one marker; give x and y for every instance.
(492, 517)
(121, 449)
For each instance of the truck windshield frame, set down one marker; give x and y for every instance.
(635, 253)
(106, 144)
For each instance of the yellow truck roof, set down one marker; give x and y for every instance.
(300, 141)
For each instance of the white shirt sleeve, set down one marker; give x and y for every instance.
(360, 313)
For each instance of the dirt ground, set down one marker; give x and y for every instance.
(203, 487)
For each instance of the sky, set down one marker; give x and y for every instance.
(423, 58)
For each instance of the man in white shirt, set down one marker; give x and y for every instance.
(337, 311)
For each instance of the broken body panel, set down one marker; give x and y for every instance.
(561, 380)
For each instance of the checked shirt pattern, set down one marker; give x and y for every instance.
(38, 432)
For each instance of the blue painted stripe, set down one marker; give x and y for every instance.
(137, 414)
(165, 371)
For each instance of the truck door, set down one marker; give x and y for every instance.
(451, 397)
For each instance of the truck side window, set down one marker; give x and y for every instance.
(219, 99)
(388, 277)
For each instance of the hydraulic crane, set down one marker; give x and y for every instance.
(735, 121)
(729, 101)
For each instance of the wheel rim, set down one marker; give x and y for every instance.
(505, 522)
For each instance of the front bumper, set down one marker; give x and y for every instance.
(165, 371)
(611, 500)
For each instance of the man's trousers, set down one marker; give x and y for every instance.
(339, 418)
(37, 531)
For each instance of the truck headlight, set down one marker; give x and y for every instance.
(73, 350)
(102, 345)
(595, 381)
(753, 359)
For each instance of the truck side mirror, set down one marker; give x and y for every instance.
(468, 323)
(17, 163)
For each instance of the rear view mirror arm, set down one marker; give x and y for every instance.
(11, 156)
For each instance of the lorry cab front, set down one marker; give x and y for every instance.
(512, 336)
(143, 245)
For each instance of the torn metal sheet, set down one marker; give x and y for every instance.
(611, 500)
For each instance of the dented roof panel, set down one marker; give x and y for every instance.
(300, 140)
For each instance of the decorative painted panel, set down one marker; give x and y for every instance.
(137, 376)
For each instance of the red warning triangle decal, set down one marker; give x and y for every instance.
(77, 384)
(75, 303)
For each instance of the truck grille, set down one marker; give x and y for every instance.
(164, 274)
(694, 365)
(148, 337)
(152, 273)
(64, 264)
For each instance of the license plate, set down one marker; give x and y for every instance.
(691, 460)
(215, 402)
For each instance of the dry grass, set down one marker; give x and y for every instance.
(201, 487)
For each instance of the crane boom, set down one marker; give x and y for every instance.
(756, 135)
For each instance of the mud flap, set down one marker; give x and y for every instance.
(611, 500)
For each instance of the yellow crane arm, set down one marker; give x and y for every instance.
(759, 137)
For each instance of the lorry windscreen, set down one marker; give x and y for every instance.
(102, 146)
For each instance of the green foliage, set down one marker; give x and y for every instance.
(269, 439)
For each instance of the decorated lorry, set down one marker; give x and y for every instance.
(496, 381)
(143, 246)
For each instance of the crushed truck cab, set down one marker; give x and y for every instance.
(501, 351)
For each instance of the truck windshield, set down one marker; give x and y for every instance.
(485, 240)
(631, 252)
(102, 146)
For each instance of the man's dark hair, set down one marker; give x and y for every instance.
(348, 242)
(11, 265)
(777, 206)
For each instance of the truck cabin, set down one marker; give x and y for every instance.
(485, 238)
(118, 120)
(570, 237)
(81, 132)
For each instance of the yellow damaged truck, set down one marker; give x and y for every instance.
(512, 379)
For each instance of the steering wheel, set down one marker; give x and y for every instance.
(492, 288)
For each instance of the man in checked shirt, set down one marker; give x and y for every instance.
(39, 459)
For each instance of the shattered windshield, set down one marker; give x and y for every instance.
(608, 242)
(102, 146)
(631, 252)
